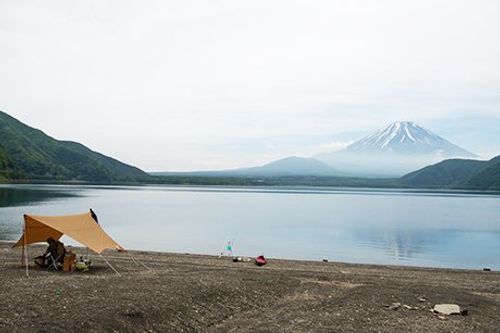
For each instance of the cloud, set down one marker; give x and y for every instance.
(198, 77)
(311, 151)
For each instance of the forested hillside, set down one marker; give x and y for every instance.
(29, 154)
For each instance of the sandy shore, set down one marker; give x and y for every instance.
(193, 293)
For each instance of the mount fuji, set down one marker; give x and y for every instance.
(406, 137)
(399, 148)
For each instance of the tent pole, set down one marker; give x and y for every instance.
(25, 248)
(107, 262)
(22, 252)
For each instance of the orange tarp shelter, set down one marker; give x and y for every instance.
(82, 228)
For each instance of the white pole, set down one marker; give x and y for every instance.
(25, 248)
(107, 262)
(133, 259)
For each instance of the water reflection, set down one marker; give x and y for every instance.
(433, 247)
(400, 244)
(27, 195)
(13, 197)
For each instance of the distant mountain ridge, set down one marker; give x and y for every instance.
(296, 166)
(451, 174)
(288, 166)
(390, 153)
(29, 154)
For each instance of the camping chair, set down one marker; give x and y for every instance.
(53, 262)
(56, 258)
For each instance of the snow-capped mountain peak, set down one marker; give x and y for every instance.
(406, 137)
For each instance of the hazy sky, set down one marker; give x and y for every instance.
(188, 85)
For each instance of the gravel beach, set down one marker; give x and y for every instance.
(199, 293)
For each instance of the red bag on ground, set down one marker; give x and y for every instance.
(260, 260)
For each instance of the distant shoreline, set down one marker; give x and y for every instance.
(297, 187)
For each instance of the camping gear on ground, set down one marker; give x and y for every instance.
(260, 260)
(54, 263)
(228, 250)
(40, 261)
(56, 252)
(53, 257)
(83, 264)
(69, 262)
(242, 259)
(82, 228)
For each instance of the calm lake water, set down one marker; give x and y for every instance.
(363, 226)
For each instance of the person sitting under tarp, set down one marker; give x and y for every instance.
(53, 256)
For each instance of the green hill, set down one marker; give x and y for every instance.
(443, 174)
(487, 178)
(3, 165)
(27, 153)
(457, 173)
